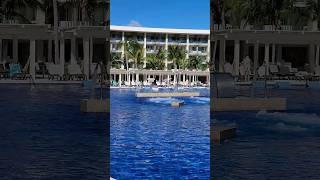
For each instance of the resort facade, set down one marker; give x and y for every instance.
(195, 44)
(53, 38)
(277, 39)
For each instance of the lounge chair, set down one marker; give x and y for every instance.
(4, 73)
(274, 71)
(41, 69)
(93, 69)
(54, 71)
(75, 72)
(15, 72)
(228, 68)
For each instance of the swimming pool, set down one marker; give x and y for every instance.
(272, 145)
(45, 136)
(150, 139)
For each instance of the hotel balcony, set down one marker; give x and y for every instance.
(201, 42)
(198, 53)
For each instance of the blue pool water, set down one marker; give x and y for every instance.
(152, 140)
(44, 136)
(272, 145)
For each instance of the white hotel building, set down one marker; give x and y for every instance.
(196, 42)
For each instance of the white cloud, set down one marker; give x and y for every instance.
(134, 23)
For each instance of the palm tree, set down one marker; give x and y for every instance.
(116, 61)
(134, 51)
(10, 9)
(197, 62)
(313, 7)
(156, 61)
(176, 54)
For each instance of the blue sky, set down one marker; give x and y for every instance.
(193, 14)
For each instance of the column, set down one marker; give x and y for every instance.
(222, 55)
(236, 61)
(122, 50)
(15, 50)
(145, 51)
(187, 47)
(266, 57)
(255, 60)
(86, 55)
(120, 79)
(32, 57)
(273, 53)
(208, 49)
(73, 51)
(317, 55)
(49, 50)
(1, 60)
(166, 48)
(62, 55)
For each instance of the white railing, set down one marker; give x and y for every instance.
(71, 24)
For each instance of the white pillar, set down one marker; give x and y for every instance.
(222, 55)
(236, 61)
(49, 50)
(86, 56)
(73, 51)
(208, 49)
(166, 48)
(122, 50)
(256, 59)
(15, 50)
(61, 59)
(266, 57)
(317, 55)
(187, 47)
(273, 53)
(1, 50)
(120, 79)
(32, 57)
(145, 50)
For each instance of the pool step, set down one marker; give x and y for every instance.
(177, 104)
(95, 105)
(220, 133)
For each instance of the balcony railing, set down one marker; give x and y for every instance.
(71, 24)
